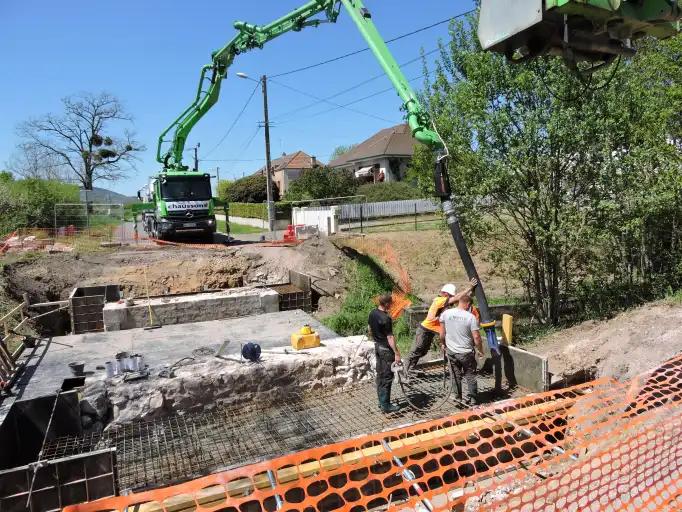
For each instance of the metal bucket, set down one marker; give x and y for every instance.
(110, 368)
(138, 362)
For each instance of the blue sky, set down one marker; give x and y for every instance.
(149, 53)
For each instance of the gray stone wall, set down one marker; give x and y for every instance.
(191, 308)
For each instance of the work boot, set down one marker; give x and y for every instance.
(385, 403)
(390, 408)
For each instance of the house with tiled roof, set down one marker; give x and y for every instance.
(383, 157)
(287, 168)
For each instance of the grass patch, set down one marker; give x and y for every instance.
(674, 297)
(365, 281)
(506, 301)
(525, 334)
(239, 229)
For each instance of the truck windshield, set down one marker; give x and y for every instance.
(186, 189)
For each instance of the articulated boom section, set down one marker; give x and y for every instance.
(255, 36)
(578, 30)
(249, 37)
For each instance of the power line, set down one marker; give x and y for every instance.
(362, 50)
(241, 112)
(330, 102)
(356, 86)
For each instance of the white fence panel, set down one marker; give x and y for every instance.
(324, 218)
(388, 209)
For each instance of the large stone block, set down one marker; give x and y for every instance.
(199, 307)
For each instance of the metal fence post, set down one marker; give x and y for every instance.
(415, 216)
(360, 218)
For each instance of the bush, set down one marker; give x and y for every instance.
(365, 281)
(30, 202)
(223, 189)
(251, 189)
(249, 210)
(320, 183)
(391, 191)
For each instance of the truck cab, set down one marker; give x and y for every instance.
(180, 204)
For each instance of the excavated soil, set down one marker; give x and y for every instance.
(622, 347)
(174, 270)
(431, 259)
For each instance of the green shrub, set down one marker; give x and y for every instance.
(249, 210)
(365, 282)
(30, 202)
(223, 189)
(388, 191)
(251, 189)
(322, 182)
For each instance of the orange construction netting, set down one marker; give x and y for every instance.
(603, 445)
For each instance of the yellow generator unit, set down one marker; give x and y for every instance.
(305, 338)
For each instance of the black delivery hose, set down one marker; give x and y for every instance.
(443, 190)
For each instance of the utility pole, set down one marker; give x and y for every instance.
(217, 180)
(268, 168)
(196, 157)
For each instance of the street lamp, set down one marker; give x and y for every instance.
(268, 167)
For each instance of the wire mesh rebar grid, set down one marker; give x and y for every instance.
(603, 445)
(181, 447)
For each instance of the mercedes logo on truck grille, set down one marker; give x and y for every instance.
(189, 214)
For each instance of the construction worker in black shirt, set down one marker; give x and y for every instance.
(387, 353)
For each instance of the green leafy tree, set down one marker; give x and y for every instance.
(320, 183)
(389, 191)
(251, 189)
(340, 150)
(224, 188)
(542, 160)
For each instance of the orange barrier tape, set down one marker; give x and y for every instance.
(603, 445)
(5, 243)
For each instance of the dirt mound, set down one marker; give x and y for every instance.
(629, 344)
(176, 272)
(173, 270)
(431, 259)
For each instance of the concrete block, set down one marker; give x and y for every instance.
(519, 367)
(171, 310)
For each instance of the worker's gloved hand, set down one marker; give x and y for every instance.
(473, 282)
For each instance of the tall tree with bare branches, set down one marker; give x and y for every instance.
(83, 139)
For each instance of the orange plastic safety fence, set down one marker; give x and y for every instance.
(603, 445)
(386, 254)
(400, 302)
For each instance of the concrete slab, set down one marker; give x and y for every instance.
(198, 307)
(47, 365)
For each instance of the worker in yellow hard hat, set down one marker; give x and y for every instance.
(429, 329)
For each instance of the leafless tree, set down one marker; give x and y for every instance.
(81, 139)
(32, 161)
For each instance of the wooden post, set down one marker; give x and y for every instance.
(415, 215)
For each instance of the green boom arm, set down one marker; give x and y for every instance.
(255, 36)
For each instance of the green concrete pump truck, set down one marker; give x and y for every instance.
(580, 31)
(178, 203)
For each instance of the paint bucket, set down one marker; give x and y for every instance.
(139, 362)
(122, 362)
(77, 368)
(110, 368)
